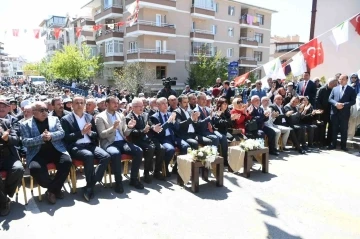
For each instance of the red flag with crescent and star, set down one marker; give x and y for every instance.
(313, 53)
(356, 23)
(240, 80)
(78, 31)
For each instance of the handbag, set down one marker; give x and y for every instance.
(251, 125)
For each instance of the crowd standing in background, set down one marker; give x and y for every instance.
(101, 126)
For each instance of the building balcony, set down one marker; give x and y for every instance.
(105, 35)
(248, 42)
(204, 12)
(87, 33)
(1, 48)
(89, 42)
(113, 60)
(3, 65)
(151, 28)
(87, 23)
(4, 70)
(243, 23)
(2, 53)
(247, 61)
(1, 59)
(151, 55)
(202, 35)
(113, 11)
(158, 4)
(194, 57)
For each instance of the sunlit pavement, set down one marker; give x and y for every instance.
(312, 196)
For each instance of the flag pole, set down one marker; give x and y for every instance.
(322, 34)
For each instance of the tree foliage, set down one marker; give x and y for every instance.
(31, 67)
(204, 72)
(135, 77)
(74, 63)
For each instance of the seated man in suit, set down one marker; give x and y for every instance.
(42, 137)
(58, 111)
(341, 98)
(293, 119)
(9, 160)
(187, 123)
(140, 138)
(166, 136)
(281, 122)
(204, 126)
(113, 130)
(258, 114)
(81, 141)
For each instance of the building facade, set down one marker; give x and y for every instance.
(283, 47)
(4, 71)
(52, 44)
(15, 64)
(345, 59)
(169, 35)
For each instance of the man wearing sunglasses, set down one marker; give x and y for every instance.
(42, 137)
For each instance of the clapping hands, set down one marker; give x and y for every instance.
(5, 135)
(46, 135)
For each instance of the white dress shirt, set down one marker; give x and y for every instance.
(283, 120)
(113, 118)
(191, 127)
(82, 122)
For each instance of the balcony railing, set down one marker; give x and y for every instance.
(155, 24)
(156, 51)
(202, 11)
(248, 41)
(248, 60)
(243, 20)
(203, 6)
(114, 5)
(205, 34)
(116, 32)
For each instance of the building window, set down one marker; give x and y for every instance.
(214, 29)
(108, 4)
(160, 72)
(205, 4)
(231, 11)
(260, 19)
(114, 48)
(132, 47)
(93, 51)
(259, 37)
(198, 48)
(216, 7)
(230, 52)
(258, 55)
(231, 32)
(214, 50)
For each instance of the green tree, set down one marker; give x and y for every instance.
(31, 67)
(74, 63)
(45, 69)
(207, 69)
(135, 77)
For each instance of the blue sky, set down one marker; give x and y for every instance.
(293, 17)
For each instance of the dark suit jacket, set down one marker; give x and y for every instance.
(73, 132)
(230, 93)
(137, 133)
(310, 90)
(202, 124)
(12, 141)
(278, 120)
(158, 119)
(322, 99)
(348, 98)
(183, 123)
(52, 113)
(258, 115)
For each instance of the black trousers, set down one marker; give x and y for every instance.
(39, 171)
(300, 133)
(88, 153)
(15, 172)
(159, 154)
(339, 123)
(310, 130)
(148, 149)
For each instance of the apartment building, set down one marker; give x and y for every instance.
(283, 47)
(3, 64)
(171, 34)
(345, 58)
(15, 64)
(53, 44)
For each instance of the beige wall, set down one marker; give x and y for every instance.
(222, 13)
(346, 58)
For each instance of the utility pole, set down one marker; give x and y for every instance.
(313, 19)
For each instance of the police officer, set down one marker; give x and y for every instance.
(9, 160)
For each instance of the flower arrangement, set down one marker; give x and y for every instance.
(203, 153)
(252, 144)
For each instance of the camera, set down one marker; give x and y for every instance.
(168, 82)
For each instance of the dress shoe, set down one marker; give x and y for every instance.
(87, 194)
(50, 197)
(92, 194)
(274, 153)
(301, 151)
(168, 174)
(174, 170)
(344, 149)
(330, 147)
(60, 195)
(119, 187)
(136, 184)
(158, 175)
(147, 178)
(5, 208)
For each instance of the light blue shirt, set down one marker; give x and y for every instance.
(118, 136)
(167, 132)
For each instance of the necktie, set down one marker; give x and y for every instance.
(166, 118)
(342, 91)
(209, 124)
(204, 111)
(303, 89)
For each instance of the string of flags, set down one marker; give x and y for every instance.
(310, 55)
(131, 20)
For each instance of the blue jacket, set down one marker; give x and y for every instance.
(348, 98)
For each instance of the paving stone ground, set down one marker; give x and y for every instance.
(312, 196)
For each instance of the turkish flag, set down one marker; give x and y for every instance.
(120, 24)
(356, 23)
(15, 32)
(78, 31)
(37, 33)
(97, 27)
(57, 32)
(313, 53)
(240, 80)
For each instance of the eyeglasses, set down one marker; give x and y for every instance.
(259, 84)
(42, 110)
(239, 102)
